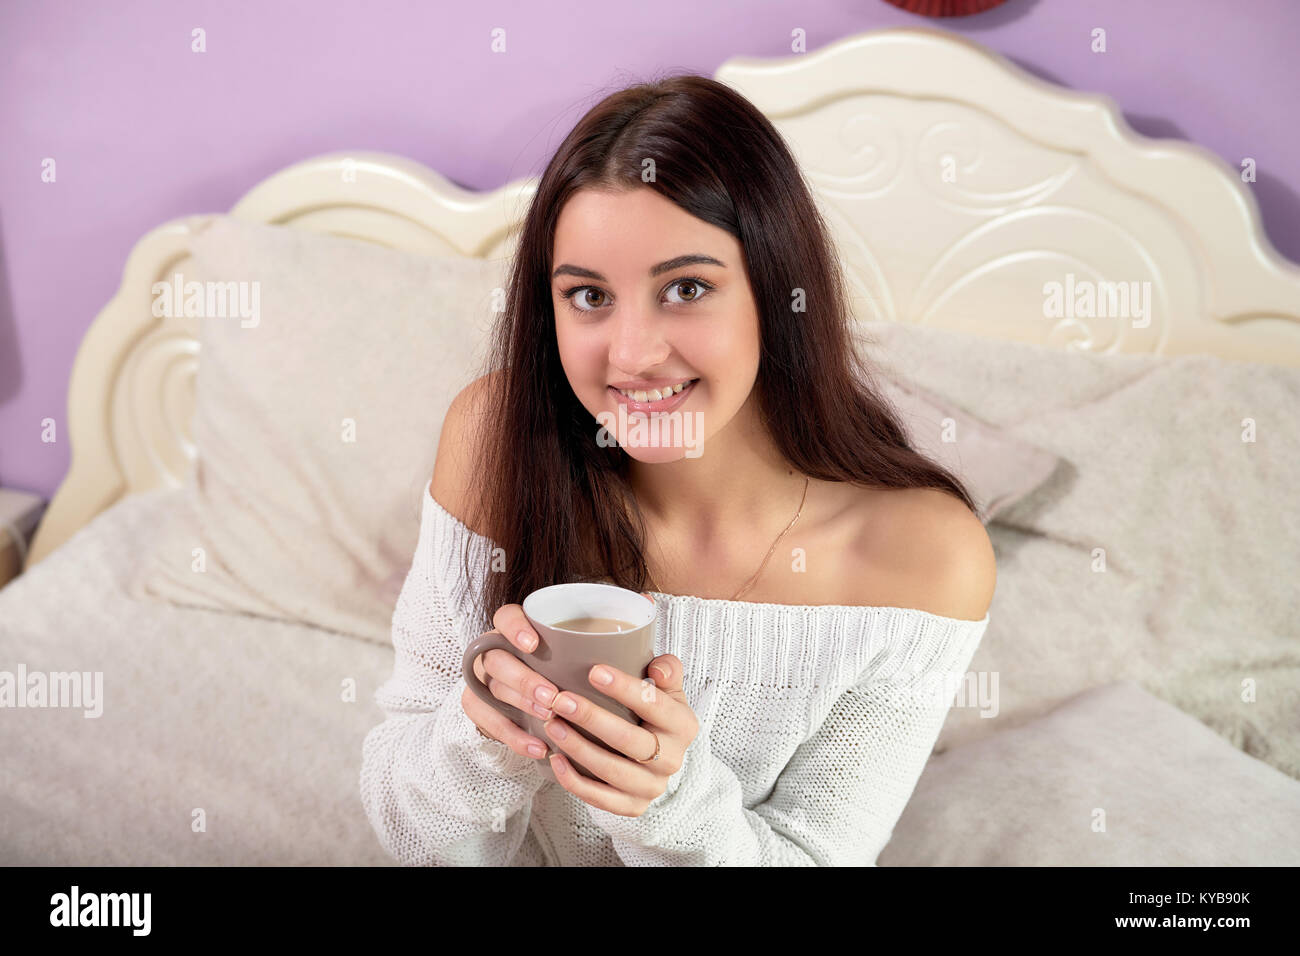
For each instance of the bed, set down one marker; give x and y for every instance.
(1137, 694)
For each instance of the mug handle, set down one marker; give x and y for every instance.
(481, 645)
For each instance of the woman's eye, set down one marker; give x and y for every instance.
(580, 294)
(696, 289)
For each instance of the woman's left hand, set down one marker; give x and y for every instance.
(630, 786)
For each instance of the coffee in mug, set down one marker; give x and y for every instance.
(579, 625)
(594, 625)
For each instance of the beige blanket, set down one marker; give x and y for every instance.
(1166, 552)
(224, 739)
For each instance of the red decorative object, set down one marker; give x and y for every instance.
(946, 8)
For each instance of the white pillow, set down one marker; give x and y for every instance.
(317, 428)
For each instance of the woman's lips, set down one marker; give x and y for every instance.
(663, 405)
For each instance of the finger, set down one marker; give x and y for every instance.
(498, 727)
(638, 694)
(624, 742)
(529, 684)
(619, 734)
(504, 692)
(667, 671)
(594, 792)
(618, 771)
(511, 621)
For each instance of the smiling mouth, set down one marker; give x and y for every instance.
(655, 400)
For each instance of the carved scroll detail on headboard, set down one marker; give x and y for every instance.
(966, 193)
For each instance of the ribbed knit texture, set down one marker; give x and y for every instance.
(815, 724)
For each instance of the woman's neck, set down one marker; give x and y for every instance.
(739, 482)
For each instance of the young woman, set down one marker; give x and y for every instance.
(673, 248)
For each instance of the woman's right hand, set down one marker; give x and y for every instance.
(511, 681)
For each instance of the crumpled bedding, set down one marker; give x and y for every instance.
(224, 739)
(1165, 550)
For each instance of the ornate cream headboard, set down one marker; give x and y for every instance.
(962, 192)
(961, 187)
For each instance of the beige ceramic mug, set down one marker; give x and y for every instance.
(566, 657)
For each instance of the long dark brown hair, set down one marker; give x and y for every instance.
(558, 503)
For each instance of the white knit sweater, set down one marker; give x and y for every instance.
(815, 723)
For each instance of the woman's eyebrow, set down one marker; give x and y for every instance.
(693, 258)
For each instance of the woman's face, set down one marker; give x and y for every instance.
(647, 295)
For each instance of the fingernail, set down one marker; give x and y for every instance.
(663, 674)
(602, 676)
(528, 640)
(543, 694)
(536, 750)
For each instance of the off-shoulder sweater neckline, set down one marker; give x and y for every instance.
(722, 603)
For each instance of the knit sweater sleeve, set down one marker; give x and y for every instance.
(435, 791)
(839, 796)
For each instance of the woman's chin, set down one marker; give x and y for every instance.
(654, 454)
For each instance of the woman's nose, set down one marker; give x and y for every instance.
(637, 341)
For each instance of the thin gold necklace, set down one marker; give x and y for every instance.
(750, 582)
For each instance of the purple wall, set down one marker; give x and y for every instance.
(142, 130)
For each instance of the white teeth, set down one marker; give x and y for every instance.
(655, 394)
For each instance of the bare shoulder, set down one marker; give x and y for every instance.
(931, 549)
(459, 443)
